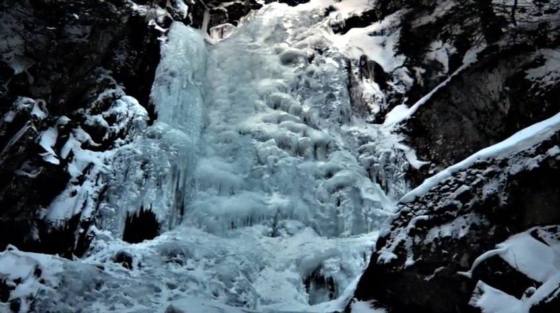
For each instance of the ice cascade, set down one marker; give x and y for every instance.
(155, 172)
(265, 185)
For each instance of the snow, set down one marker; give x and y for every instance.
(47, 142)
(519, 141)
(379, 48)
(538, 259)
(531, 256)
(402, 112)
(181, 7)
(28, 273)
(492, 300)
(440, 52)
(547, 74)
(89, 169)
(347, 8)
(364, 307)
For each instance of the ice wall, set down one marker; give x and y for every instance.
(280, 141)
(269, 189)
(155, 172)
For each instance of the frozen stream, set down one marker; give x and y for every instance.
(257, 169)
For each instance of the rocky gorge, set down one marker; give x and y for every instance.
(280, 156)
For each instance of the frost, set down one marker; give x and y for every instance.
(458, 228)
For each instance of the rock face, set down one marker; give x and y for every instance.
(504, 90)
(444, 249)
(484, 104)
(58, 59)
(417, 265)
(220, 12)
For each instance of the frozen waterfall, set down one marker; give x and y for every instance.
(156, 173)
(263, 182)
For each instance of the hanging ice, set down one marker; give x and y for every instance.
(155, 172)
(264, 182)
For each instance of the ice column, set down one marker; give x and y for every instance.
(154, 172)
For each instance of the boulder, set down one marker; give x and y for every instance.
(429, 257)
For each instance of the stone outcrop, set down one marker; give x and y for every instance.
(419, 263)
(428, 258)
(58, 60)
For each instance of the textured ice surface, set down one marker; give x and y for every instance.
(155, 172)
(269, 190)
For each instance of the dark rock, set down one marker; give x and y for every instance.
(372, 70)
(15, 305)
(481, 106)
(124, 258)
(69, 50)
(321, 288)
(291, 3)
(140, 226)
(173, 309)
(220, 12)
(75, 58)
(5, 291)
(498, 274)
(417, 258)
(356, 21)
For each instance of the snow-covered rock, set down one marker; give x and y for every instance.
(448, 231)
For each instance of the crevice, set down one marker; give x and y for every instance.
(140, 226)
